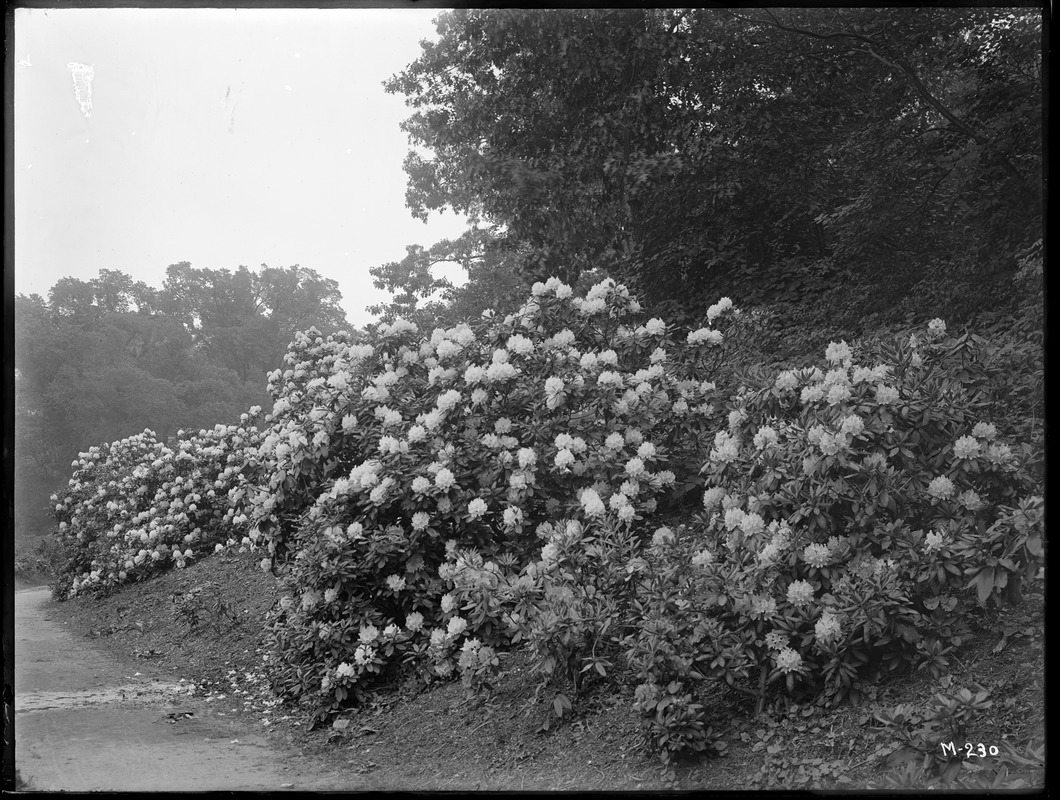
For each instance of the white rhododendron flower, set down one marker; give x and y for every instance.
(635, 467)
(662, 536)
(966, 447)
(564, 458)
(800, 593)
(838, 353)
(852, 425)
(786, 380)
(933, 541)
(861, 375)
(363, 654)
(886, 395)
(937, 327)
(752, 524)
(726, 447)
(718, 308)
(984, 430)
(476, 508)
(445, 479)
(655, 326)
(733, 518)
(830, 444)
(998, 454)
(970, 499)
(762, 607)
(707, 336)
(816, 555)
(456, 626)
(765, 437)
(811, 393)
(704, 558)
(549, 553)
(500, 371)
(712, 497)
(827, 627)
(775, 640)
(591, 503)
(941, 488)
(520, 345)
(837, 394)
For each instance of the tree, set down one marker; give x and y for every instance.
(245, 320)
(105, 358)
(753, 152)
(493, 281)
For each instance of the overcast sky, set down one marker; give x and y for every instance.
(218, 137)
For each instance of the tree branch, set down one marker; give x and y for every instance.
(898, 64)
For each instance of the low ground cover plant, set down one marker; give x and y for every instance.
(602, 488)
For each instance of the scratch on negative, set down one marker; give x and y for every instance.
(82, 75)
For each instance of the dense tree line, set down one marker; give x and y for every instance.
(102, 359)
(761, 153)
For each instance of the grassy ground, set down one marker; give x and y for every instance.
(436, 739)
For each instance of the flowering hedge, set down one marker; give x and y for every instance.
(386, 454)
(855, 515)
(431, 500)
(136, 506)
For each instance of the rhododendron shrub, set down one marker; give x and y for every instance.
(571, 607)
(855, 514)
(136, 506)
(474, 436)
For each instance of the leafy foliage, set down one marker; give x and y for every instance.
(431, 501)
(109, 357)
(759, 154)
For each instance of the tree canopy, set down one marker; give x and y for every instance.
(692, 152)
(108, 357)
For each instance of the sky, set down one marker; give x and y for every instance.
(221, 137)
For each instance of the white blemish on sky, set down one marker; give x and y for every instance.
(82, 75)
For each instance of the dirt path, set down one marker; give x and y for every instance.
(85, 721)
